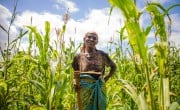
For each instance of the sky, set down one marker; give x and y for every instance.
(85, 15)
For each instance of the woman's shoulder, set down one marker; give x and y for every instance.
(79, 54)
(102, 52)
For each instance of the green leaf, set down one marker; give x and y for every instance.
(46, 37)
(37, 108)
(38, 85)
(51, 96)
(174, 106)
(3, 85)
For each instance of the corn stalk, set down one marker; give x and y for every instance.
(8, 80)
(158, 14)
(137, 37)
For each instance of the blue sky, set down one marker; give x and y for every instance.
(85, 15)
(78, 7)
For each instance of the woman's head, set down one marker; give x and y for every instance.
(91, 36)
(90, 40)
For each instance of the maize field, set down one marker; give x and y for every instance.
(41, 77)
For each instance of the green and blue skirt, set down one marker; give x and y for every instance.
(93, 95)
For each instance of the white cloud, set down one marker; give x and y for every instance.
(175, 18)
(175, 22)
(175, 29)
(56, 6)
(175, 39)
(68, 4)
(160, 1)
(96, 20)
(38, 20)
(5, 15)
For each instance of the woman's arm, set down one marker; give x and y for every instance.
(111, 72)
(111, 64)
(75, 63)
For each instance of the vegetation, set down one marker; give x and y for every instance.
(147, 78)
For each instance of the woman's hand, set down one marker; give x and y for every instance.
(76, 86)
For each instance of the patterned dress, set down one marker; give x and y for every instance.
(93, 95)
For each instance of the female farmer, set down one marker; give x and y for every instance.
(91, 64)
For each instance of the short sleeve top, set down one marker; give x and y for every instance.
(91, 62)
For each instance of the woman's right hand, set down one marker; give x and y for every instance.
(76, 86)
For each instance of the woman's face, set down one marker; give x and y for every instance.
(91, 40)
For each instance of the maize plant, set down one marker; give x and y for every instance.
(137, 38)
(41, 77)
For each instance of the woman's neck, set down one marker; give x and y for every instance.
(90, 50)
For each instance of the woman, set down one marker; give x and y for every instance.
(91, 63)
